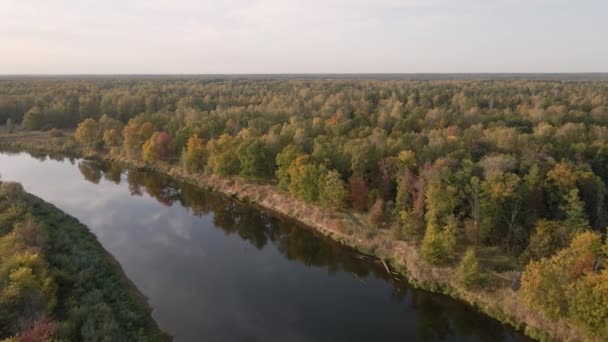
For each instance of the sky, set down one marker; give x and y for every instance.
(308, 36)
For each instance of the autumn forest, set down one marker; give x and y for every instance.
(467, 171)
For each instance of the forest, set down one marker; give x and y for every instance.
(455, 166)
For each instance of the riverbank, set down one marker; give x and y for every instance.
(75, 289)
(497, 299)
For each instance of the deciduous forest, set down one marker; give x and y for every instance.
(460, 168)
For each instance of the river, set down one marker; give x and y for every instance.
(217, 270)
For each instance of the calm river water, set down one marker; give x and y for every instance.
(216, 270)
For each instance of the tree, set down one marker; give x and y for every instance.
(165, 145)
(146, 130)
(255, 159)
(33, 119)
(550, 284)
(106, 123)
(10, 125)
(86, 134)
(194, 157)
(588, 303)
(112, 139)
(359, 193)
(576, 219)
(472, 193)
(158, 147)
(333, 192)
(283, 161)
(432, 246)
(132, 139)
(501, 204)
(467, 272)
(441, 198)
(542, 289)
(223, 159)
(306, 178)
(547, 238)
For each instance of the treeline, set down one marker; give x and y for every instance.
(56, 281)
(520, 165)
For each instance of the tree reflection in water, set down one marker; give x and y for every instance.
(439, 317)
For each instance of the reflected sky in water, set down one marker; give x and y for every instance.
(215, 270)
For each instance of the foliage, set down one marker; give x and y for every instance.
(359, 193)
(333, 191)
(59, 284)
(158, 147)
(33, 119)
(547, 238)
(112, 139)
(306, 177)
(255, 158)
(223, 159)
(569, 284)
(86, 134)
(513, 164)
(468, 272)
(283, 162)
(194, 157)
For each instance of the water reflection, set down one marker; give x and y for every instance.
(217, 270)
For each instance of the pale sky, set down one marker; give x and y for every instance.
(308, 36)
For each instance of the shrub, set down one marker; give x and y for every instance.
(468, 273)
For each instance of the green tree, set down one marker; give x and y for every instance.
(106, 123)
(255, 159)
(283, 161)
(33, 119)
(441, 199)
(576, 219)
(467, 272)
(305, 178)
(432, 246)
(547, 238)
(333, 191)
(223, 159)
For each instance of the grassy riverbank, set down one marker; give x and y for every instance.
(59, 284)
(495, 298)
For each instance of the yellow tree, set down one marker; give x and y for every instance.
(86, 134)
(194, 156)
(556, 286)
(112, 140)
